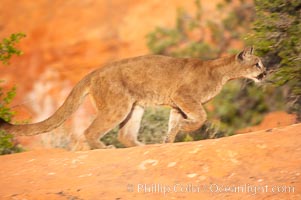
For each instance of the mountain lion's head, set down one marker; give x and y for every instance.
(251, 65)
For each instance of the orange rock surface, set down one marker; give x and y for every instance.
(258, 165)
(272, 120)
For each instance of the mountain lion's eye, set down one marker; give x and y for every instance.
(257, 65)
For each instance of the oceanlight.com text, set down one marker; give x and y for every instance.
(211, 188)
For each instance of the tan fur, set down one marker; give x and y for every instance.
(122, 89)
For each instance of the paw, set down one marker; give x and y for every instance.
(130, 142)
(169, 139)
(110, 147)
(137, 143)
(81, 147)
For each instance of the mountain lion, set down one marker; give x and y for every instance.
(122, 89)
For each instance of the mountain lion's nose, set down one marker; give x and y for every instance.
(262, 75)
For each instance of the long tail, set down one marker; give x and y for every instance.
(70, 105)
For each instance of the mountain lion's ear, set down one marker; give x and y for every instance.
(249, 50)
(245, 54)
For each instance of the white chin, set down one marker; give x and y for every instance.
(254, 79)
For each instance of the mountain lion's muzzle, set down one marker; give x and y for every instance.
(262, 75)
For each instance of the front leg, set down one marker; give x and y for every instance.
(174, 122)
(195, 114)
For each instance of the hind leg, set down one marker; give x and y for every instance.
(106, 120)
(129, 128)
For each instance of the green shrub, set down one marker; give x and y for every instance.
(277, 32)
(153, 127)
(7, 49)
(7, 146)
(5, 99)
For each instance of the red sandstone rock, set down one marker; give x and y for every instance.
(272, 120)
(267, 160)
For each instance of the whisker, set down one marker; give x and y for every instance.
(271, 71)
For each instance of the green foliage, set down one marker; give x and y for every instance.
(5, 99)
(187, 37)
(7, 49)
(154, 125)
(111, 138)
(162, 38)
(7, 145)
(177, 41)
(153, 128)
(277, 32)
(241, 104)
